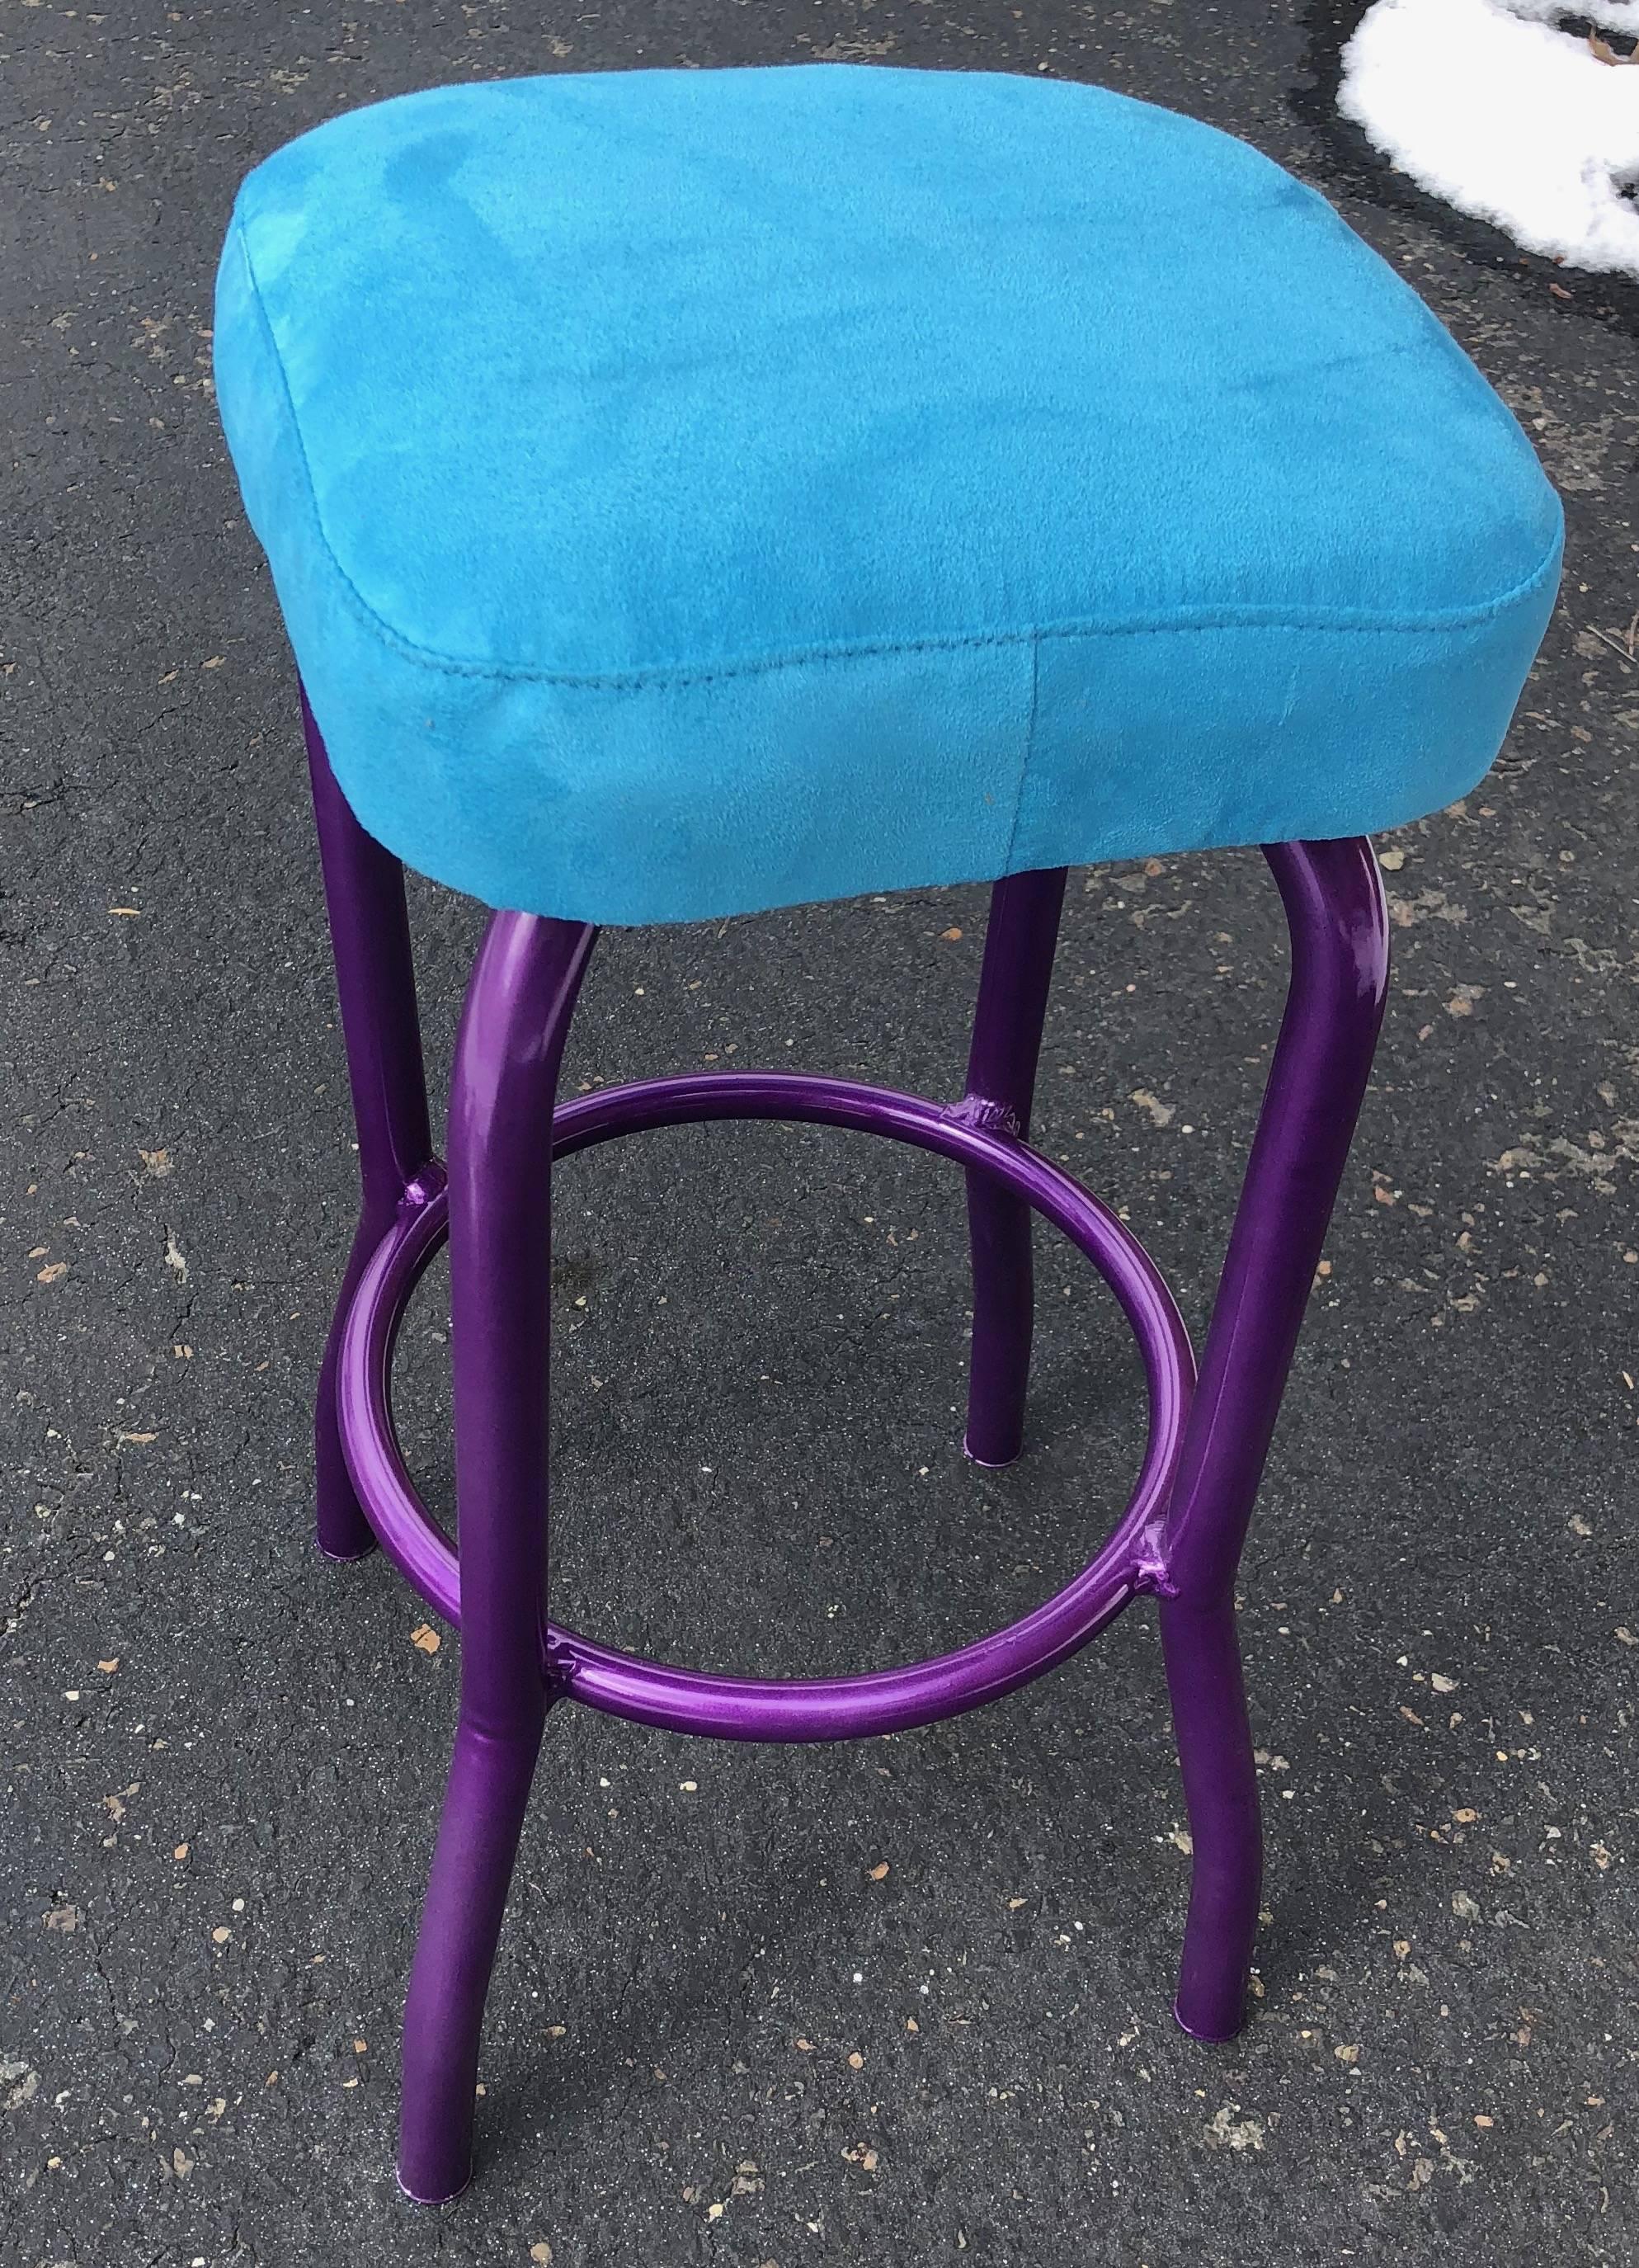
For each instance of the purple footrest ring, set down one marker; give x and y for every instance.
(794, 1708)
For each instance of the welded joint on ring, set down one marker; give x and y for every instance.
(1155, 1581)
(991, 1117)
(558, 1665)
(424, 1187)
(1151, 1573)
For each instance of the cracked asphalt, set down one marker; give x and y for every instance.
(907, 2001)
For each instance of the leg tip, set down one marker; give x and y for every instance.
(991, 1464)
(440, 2196)
(346, 1558)
(1212, 2035)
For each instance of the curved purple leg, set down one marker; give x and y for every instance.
(375, 975)
(1012, 1006)
(516, 1020)
(1333, 896)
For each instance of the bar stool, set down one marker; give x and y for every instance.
(694, 492)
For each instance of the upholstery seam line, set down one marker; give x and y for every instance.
(1029, 746)
(668, 674)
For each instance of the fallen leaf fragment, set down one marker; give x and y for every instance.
(1224, 2128)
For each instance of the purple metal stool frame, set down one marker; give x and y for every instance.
(1178, 1540)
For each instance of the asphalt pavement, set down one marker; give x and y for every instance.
(905, 2002)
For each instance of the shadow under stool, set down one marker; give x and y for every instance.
(690, 493)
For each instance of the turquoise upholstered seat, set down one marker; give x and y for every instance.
(695, 491)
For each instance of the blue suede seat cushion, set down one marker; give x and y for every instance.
(695, 491)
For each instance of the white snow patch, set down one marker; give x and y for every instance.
(1615, 15)
(1491, 106)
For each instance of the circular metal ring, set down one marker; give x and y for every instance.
(791, 1709)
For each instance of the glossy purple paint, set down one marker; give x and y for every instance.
(376, 980)
(1180, 1537)
(819, 1709)
(1012, 1006)
(1332, 895)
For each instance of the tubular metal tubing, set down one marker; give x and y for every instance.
(1013, 984)
(752, 1709)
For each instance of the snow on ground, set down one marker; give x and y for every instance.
(1490, 106)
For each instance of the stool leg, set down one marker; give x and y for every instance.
(1203, 1656)
(516, 1016)
(1334, 899)
(1012, 1006)
(376, 984)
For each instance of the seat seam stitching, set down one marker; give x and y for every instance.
(1029, 746)
(667, 675)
